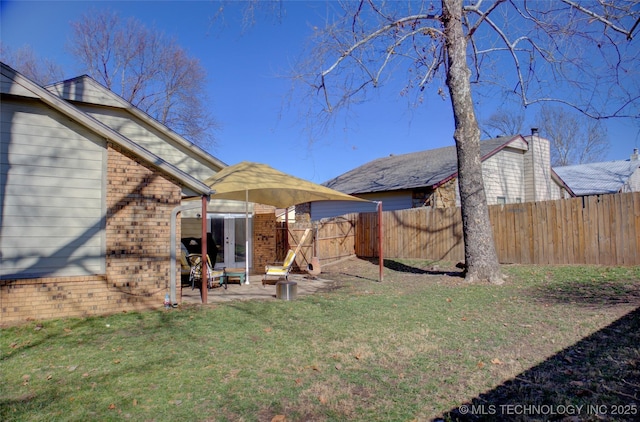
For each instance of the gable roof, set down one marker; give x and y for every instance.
(598, 178)
(85, 89)
(414, 170)
(14, 82)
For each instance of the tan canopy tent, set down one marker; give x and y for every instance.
(262, 184)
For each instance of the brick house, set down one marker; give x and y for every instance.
(88, 184)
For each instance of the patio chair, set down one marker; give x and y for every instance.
(282, 270)
(195, 276)
(185, 268)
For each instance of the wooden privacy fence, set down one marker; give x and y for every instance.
(419, 233)
(331, 240)
(601, 230)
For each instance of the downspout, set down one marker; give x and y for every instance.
(203, 260)
(174, 218)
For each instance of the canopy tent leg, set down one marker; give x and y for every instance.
(246, 236)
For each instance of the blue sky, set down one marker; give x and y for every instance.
(248, 93)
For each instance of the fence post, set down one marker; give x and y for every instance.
(380, 254)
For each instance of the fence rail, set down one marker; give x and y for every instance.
(332, 240)
(601, 230)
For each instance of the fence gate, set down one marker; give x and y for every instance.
(330, 240)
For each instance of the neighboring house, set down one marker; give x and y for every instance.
(88, 185)
(515, 169)
(603, 178)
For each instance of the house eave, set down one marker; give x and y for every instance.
(99, 128)
(144, 117)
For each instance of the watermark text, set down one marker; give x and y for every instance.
(549, 409)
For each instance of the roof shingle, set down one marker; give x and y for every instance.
(597, 178)
(408, 171)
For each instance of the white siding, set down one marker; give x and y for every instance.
(124, 123)
(391, 201)
(51, 194)
(529, 180)
(224, 206)
(556, 191)
(7, 86)
(539, 184)
(84, 90)
(520, 144)
(633, 184)
(503, 176)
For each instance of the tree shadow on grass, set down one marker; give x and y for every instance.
(390, 264)
(601, 373)
(81, 337)
(430, 269)
(588, 293)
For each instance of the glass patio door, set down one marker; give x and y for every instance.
(230, 234)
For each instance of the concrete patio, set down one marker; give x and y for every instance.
(255, 290)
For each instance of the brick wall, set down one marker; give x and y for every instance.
(303, 213)
(264, 241)
(263, 209)
(139, 204)
(445, 195)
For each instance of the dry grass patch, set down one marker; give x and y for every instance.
(415, 347)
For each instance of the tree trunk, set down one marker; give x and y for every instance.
(481, 258)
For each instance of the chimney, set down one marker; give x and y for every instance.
(634, 156)
(534, 131)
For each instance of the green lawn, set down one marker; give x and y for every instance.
(415, 347)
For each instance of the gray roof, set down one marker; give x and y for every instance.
(597, 178)
(409, 171)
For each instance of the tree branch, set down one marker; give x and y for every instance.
(598, 17)
(483, 16)
(374, 35)
(633, 28)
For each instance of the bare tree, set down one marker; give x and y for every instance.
(25, 61)
(147, 69)
(574, 53)
(503, 122)
(574, 139)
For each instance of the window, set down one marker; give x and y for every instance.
(501, 200)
